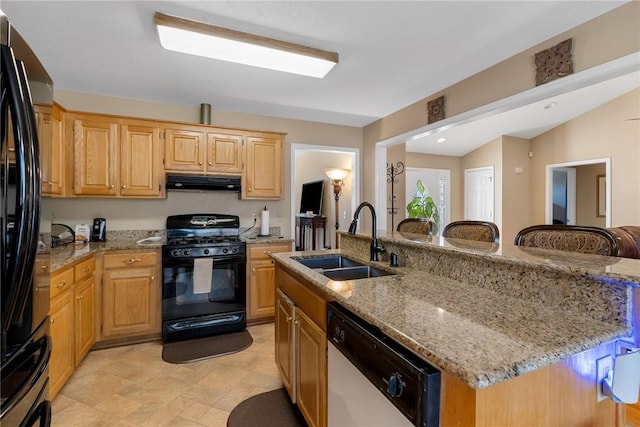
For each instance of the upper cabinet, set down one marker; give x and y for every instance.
(52, 149)
(115, 157)
(203, 150)
(95, 150)
(263, 172)
(119, 157)
(141, 173)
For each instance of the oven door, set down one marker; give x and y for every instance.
(204, 295)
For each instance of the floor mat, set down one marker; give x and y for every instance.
(204, 348)
(270, 409)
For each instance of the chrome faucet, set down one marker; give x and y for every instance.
(375, 248)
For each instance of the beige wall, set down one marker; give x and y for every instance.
(516, 187)
(600, 133)
(151, 214)
(596, 42)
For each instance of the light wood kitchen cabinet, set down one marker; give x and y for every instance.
(51, 144)
(284, 332)
(62, 335)
(305, 321)
(141, 172)
(262, 177)
(203, 150)
(184, 149)
(85, 308)
(95, 150)
(131, 294)
(261, 284)
(115, 157)
(311, 370)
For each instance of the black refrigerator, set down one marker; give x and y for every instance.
(24, 293)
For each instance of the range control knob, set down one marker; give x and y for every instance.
(175, 252)
(206, 251)
(395, 386)
(187, 252)
(225, 250)
(234, 250)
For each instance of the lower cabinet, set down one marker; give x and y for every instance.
(131, 294)
(261, 280)
(72, 314)
(301, 346)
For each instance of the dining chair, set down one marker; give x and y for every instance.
(573, 238)
(481, 231)
(415, 225)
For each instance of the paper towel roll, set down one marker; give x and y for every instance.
(264, 224)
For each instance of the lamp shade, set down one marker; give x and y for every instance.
(337, 174)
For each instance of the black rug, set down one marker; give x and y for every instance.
(205, 348)
(270, 409)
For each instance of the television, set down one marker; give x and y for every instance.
(311, 197)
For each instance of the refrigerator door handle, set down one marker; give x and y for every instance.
(14, 268)
(31, 202)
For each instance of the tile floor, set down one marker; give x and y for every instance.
(133, 386)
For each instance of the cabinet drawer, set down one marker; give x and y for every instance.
(261, 252)
(85, 269)
(130, 259)
(60, 282)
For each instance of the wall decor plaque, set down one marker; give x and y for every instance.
(435, 109)
(553, 63)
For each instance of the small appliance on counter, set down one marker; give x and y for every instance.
(61, 235)
(99, 230)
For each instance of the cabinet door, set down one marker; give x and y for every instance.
(50, 144)
(95, 146)
(311, 370)
(261, 289)
(184, 149)
(85, 312)
(284, 342)
(130, 302)
(262, 178)
(261, 284)
(62, 337)
(140, 160)
(224, 153)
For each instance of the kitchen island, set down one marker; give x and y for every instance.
(516, 332)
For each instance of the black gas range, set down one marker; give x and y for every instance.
(203, 277)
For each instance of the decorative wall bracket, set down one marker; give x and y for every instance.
(435, 109)
(554, 63)
(392, 178)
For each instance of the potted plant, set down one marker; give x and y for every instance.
(423, 206)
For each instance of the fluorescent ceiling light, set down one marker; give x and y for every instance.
(196, 38)
(441, 139)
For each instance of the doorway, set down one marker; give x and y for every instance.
(308, 163)
(564, 196)
(479, 194)
(583, 192)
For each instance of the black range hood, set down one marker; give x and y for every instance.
(202, 182)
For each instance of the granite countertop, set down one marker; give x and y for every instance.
(478, 335)
(64, 256)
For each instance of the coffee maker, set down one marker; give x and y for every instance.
(99, 230)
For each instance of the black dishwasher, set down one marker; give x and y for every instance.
(406, 380)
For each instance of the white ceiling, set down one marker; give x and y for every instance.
(392, 53)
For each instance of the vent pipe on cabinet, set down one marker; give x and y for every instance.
(205, 114)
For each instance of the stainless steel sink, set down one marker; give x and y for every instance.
(328, 261)
(354, 273)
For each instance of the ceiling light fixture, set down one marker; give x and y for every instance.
(197, 38)
(441, 139)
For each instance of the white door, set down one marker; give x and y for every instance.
(478, 194)
(437, 183)
(564, 196)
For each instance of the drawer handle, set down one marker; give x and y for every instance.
(61, 284)
(210, 164)
(80, 297)
(113, 186)
(52, 320)
(131, 260)
(124, 187)
(153, 277)
(289, 318)
(44, 267)
(200, 163)
(86, 269)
